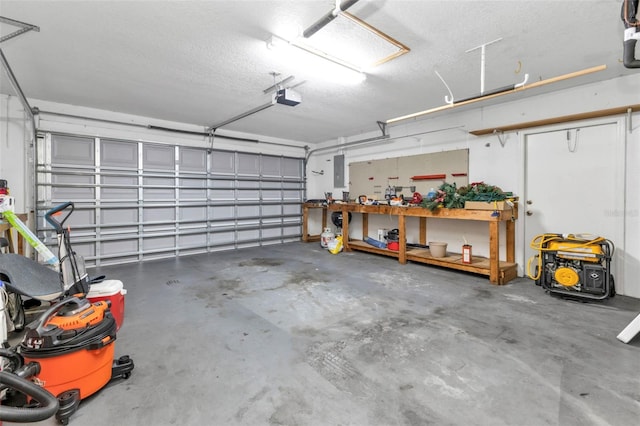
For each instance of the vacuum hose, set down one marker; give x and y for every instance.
(48, 403)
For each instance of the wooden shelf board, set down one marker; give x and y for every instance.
(558, 120)
(362, 246)
(478, 265)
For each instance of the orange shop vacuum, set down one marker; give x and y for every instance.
(69, 352)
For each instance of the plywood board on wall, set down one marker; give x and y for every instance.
(371, 178)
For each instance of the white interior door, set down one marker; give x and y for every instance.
(574, 184)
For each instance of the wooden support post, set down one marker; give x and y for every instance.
(511, 240)
(402, 239)
(423, 230)
(365, 225)
(494, 252)
(345, 228)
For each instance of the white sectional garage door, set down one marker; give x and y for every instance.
(139, 201)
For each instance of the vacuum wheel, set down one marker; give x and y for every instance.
(69, 402)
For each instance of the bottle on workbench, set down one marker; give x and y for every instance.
(431, 194)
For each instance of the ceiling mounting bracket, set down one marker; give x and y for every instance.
(383, 127)
(500, 135)
(24, 27)
(483, 49)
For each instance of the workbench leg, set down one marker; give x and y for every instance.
(402, 240)
(494, 253)
(345, 230)
(423, 230)
(324, 218)
(9, 236)
(511, 240)
(305, 224)
(365, 225)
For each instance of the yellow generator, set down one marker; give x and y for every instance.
(574, 266)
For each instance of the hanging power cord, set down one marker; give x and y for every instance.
(573, 148)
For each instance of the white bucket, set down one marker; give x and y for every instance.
(437, 249)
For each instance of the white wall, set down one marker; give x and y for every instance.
(16, 139)
(493, 163)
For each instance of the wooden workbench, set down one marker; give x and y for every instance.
(7, 231)
(499, 271)
(305, 221)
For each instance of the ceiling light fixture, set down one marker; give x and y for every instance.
(338, 70)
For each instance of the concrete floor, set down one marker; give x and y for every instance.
(292, 335)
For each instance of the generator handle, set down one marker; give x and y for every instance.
(58, 224)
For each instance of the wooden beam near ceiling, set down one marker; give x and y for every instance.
(558, 120)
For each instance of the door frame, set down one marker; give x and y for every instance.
(621, 178)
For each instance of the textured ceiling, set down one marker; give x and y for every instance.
(203, 62)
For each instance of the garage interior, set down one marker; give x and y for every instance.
(212, 150)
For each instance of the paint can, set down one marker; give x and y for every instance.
(466, 253)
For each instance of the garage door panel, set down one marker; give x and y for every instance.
(222, 195)
(159, 214)
(70, 150)
(193, 189)
(272, 195)
(223, 212)
(119, 247)
(158, 157)
(248, 235)
(272, 233)
(248, 194)
(222, 238)
(72, 187)
(290, 209)
(291, 195)
(145, 200)
(193, 213)
(271, 166)
(151, 194)
(291, 168)
(248, 165)
(223, 162)
(80, 218)
(193, 160)
(275, 210)
(248, 211)
(192, 240)
(119, 154)
(119, 188)
(159, 242)
(119, 216)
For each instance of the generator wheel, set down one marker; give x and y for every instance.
(536, 271)
(612, 287)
